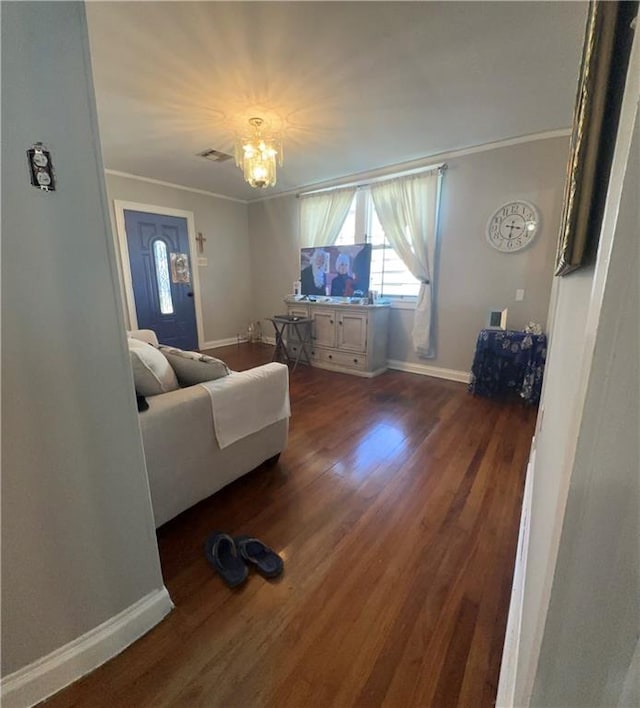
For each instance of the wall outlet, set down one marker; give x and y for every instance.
(519, 295)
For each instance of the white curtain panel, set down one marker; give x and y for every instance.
(322, 216)
(407, 208)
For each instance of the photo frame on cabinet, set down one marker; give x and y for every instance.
(605, 57)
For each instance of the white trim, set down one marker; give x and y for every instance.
(215, 343)
(390, 176)
(381, 172)
(508, 669)
(420, 163)
(508, 142)
(400, 304)
(51, 673)
(526, 674)
(428, 370)
(344, 370)
(119, 207)
(172, 185)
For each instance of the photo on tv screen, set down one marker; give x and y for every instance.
(336, 271)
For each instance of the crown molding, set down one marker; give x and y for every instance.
(425, 161)
(362, 176)
(140, 178)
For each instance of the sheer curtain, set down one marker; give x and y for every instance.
(322, 216)
(407, 208)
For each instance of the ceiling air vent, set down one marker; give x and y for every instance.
(214, 155)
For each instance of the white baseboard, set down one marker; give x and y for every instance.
(422, 369)
(51, 673)
(427, 370)
(343, 370)
(507, 682)
(215, 343)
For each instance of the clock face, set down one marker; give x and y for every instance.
(513, 226)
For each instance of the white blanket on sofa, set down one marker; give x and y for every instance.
(247, 401)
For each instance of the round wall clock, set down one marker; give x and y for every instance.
(513, 226)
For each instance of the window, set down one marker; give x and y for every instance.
(161, 263)
(389, 275)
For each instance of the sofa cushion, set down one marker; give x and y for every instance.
(144, 335)
(152, 373)
(192, 367)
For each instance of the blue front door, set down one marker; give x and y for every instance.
(161, 274)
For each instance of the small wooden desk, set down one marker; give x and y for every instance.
(285, 326)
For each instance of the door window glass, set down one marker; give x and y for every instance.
(161, 262)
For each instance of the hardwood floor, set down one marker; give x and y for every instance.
(396, 508)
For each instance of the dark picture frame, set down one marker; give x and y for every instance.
(605, 57)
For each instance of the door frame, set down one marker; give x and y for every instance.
(119, 207)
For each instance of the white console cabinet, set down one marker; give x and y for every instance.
(345, 337)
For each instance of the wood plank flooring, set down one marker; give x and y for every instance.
(396, 508)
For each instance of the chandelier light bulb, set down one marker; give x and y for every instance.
(256, 155)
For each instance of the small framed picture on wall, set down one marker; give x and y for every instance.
(497, 319)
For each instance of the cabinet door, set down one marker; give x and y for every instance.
(352, 331)
(324, 327)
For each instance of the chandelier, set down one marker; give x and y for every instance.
(256, 155)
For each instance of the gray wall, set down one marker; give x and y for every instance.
(472, 276)
(275, 256)
(225, 284)
(593, 622)
(78, 540)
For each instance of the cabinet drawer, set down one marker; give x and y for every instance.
(298, 311)
(351, 361)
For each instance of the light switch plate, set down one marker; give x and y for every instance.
(519, 295)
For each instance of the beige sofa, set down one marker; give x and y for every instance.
(184, 461)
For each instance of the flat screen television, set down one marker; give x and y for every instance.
(336, 271)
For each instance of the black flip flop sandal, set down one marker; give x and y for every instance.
(267, 561)
(222, 553)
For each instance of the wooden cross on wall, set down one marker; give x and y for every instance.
(200, 239)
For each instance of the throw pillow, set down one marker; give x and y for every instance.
(193, 368)
(152, 373)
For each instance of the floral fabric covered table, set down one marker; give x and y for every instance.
(507, 362)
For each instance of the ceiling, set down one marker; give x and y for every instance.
(354, 86)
